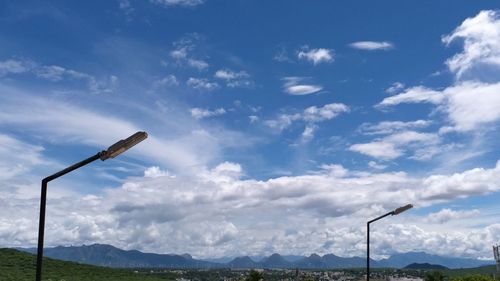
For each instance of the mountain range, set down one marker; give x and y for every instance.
(107, 255)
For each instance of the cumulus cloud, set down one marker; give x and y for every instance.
(417, 94)
(446, 215)
(167, 81)
(375, 165)
(185, 52)
(389, 127)
(372, 45)
(481, 51)
(294, 86)
(202, 84)
(234, 79)
(316, 56)
(394, 145)
(219, 213)
(309, 115)
(200, 113)
(395, 88)
(185, 3)
(468, 105)
(472, 102)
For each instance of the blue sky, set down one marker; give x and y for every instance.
(274, 126)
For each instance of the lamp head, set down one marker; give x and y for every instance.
(402, 209)
(123, 145)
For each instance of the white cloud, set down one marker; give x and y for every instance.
(468, 105)
(395, 88)
(378, 149)
(298, 90)
(395, 145)
(12, 66)
(316, 56)
(389, 127)
(234, 79)
(59, 122)
(481, 38)
(126, 7)
(308, 133)
(180, 53)
(253, 119)
(18, 157)
(446, 215)
(57, 73)
(200, 113)
(472, 102)
(292, 86)
(372, 45)
(417, 94)
(155, 172)
(310, 116)
(198, 64)
(375, 165)
(202, 84)
(185, 3)
(282, 56)
(228, 74)
(52, 72)
(218, 213)
(167, 81)
(185, 52)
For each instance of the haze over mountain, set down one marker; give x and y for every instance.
(107, 255)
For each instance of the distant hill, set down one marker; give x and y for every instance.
(403, 259)
(19, 266)
(242, 262)
(425, 266)
(106, 255)
(275, 261)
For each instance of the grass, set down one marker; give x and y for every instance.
(483, 270)
(17, 266)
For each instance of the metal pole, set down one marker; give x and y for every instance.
(367, 251)
(43, 201)
(368, 243)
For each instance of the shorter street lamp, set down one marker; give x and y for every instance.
(113, 151)
(392, 213)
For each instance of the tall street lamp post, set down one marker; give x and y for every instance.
(113, 151)
(392, 213)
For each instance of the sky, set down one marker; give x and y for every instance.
(274, 126)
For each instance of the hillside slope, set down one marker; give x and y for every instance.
(18, 266)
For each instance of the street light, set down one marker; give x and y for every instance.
(392, 213)
(113, 151)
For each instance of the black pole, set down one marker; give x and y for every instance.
(367, 251)
(368, 243)
(43, 200)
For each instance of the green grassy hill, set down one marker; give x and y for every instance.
(483, 270)
(17, 266)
